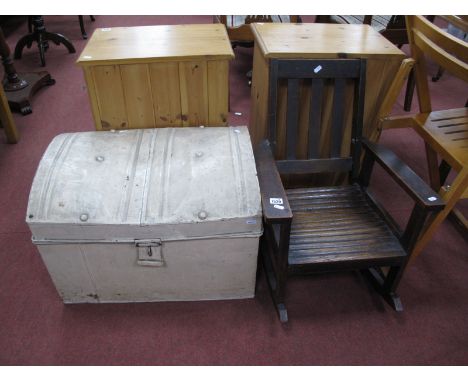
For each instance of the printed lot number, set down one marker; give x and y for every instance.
(276, 201)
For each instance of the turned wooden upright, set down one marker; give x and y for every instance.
(20, 87)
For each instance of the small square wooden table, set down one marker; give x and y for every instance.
(158, 76)
(321, 41)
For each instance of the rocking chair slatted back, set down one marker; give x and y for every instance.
(317, 74)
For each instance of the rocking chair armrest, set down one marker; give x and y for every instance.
(415, 187)
(271, 186)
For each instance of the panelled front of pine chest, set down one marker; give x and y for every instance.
(148, 214)
(158, 76)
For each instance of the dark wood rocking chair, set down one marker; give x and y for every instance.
(337, 227)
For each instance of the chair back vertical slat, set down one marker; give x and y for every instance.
(292, 118)
(314, 78)
(273, 100)
(358, 116)
(315, 118)
(337, 117)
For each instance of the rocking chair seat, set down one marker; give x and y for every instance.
(338, 225)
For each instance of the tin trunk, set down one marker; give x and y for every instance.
(148, 215)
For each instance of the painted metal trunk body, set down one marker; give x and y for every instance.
(148, 215)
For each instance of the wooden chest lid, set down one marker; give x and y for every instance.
(285, 40)
(156, 43)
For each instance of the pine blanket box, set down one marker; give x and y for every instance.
(148, 215)
(158, 76)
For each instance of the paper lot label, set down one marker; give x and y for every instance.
(276, 201)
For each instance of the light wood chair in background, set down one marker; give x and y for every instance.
(445, 132)
(458, 27)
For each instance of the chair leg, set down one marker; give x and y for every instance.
(277, 272)
(282, 312)
(30, 24)
(276, 287)
(444, 170)
(451, 197)
(83, 31)
(386, 285)
(455, 215)
(439, 74)
(249, 77)
(460, 222)
(411, 84)
(433, 167)
(390, 286)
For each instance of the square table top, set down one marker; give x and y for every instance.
(316, 40)
(157, 43)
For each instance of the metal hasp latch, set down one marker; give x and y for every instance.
(149, 253)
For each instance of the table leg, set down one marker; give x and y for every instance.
(41, 36)
(19, 88)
